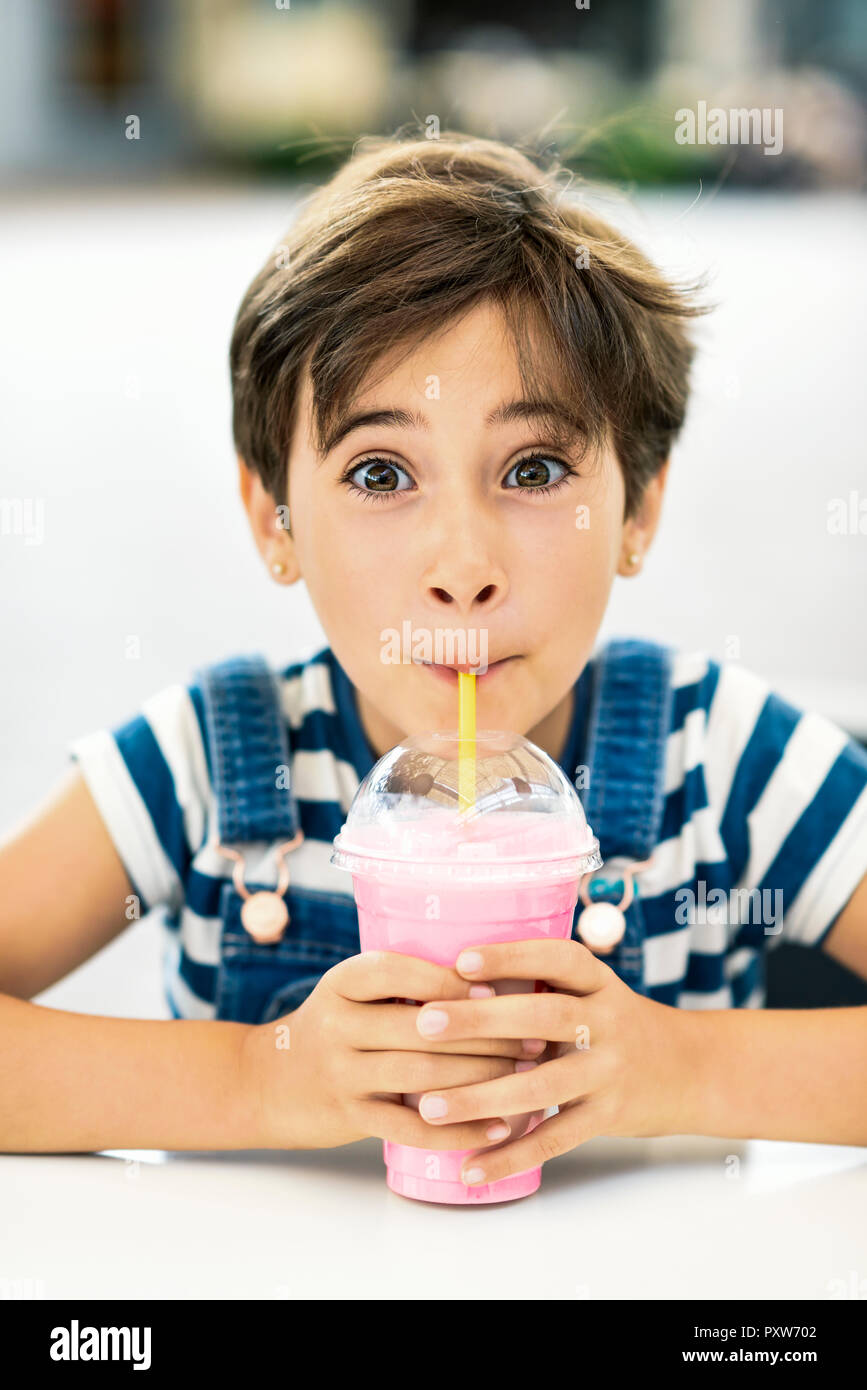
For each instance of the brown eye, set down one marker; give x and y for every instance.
(376, 478)
(534, 473)
(379, 476)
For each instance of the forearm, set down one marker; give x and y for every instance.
(80, 1082)
(798, 1074)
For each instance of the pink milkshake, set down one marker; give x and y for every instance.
(430, 879)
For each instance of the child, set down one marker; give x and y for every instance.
(444, 323)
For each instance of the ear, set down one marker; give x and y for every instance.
(269, 523)
(639, 530)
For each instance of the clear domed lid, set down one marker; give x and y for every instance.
(520, 818)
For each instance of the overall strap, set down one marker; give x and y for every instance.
(249, 751)
(624, 800)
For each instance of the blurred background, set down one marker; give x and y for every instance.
(279, 86)
(152, 153)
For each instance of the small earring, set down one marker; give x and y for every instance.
(633, 558)
(278, 567)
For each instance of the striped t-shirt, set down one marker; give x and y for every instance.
(763, 836)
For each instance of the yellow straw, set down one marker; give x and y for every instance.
(467, 739)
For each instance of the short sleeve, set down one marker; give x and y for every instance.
(149, 778)
(790, 788)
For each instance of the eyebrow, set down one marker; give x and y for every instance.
(554, 412)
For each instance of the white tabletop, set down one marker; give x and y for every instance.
(614, 1219)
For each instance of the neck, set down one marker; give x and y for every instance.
(551, 734)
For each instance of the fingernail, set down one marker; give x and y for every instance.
(481, 992)
(498, 1131)
(432, 1021)
(472, 1175)
(470, 961)
(433, 1107)
(533, 1045)
(525, 1066)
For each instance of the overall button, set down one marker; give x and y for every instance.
(264, 916)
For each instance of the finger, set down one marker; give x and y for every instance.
(395, 1030)
(401, 1124)
(411, 1072)
(549, 1016)
(567, 965)
(534, 1087)
(372, 975)
(553, 1136)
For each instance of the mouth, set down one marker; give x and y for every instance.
(450, 673)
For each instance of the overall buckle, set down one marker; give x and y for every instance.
(264, 914)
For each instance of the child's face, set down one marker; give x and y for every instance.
(463, 541)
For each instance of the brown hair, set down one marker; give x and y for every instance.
(410, 234)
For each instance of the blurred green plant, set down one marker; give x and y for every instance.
(626, 147)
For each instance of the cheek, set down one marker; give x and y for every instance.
(578, 561)
(355, 581)
(331, 552)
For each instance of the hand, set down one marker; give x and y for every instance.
(614, 1064)
(334, 1070)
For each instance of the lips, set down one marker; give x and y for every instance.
(450, 673)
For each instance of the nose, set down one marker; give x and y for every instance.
(484, 596)
(464, 546)
(466, 580)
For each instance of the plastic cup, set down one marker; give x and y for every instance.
(430, 880)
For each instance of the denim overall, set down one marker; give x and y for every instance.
(630, 716)
(248, 735)
(250, 771)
